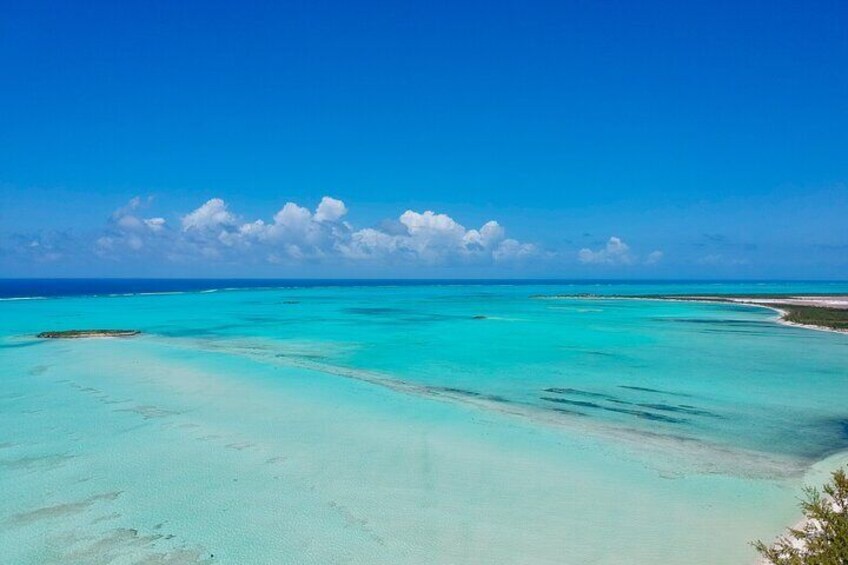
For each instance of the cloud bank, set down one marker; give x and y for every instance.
(297, 234)
(303, 238)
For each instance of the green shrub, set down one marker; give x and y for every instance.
(823, 537)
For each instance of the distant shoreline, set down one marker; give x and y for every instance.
(821, 312)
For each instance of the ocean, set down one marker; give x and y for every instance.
(409, 421)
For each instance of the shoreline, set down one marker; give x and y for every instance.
(816, 474)
(781, 319)
(773, 304)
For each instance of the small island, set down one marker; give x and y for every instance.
(78, 334)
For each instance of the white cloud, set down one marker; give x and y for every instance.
(654, 257)
(125, 219)
(155, 225)
(126, 230)
(330, 210)
(432, 238)
(430, 223)
(295, 234)
(370, 243)
(488, 236)
(292, 222)
(510, 249)
(615, 252)
(212, 215)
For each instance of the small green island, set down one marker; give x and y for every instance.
(79, 334)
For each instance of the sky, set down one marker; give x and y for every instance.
(524, 139)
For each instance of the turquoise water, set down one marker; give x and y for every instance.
(412, 424)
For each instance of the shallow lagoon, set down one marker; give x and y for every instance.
(412, 424)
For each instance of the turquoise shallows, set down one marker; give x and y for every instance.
(412, 424)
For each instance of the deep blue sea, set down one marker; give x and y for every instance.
(18, 288)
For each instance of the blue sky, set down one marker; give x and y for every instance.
(604, 139)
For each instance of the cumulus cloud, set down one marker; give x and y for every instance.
(295, 234)
(509, 249)
(616, 252)
(318, 235)
(330, 210)
(213, 215)
(127, 229)
(431, 238)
